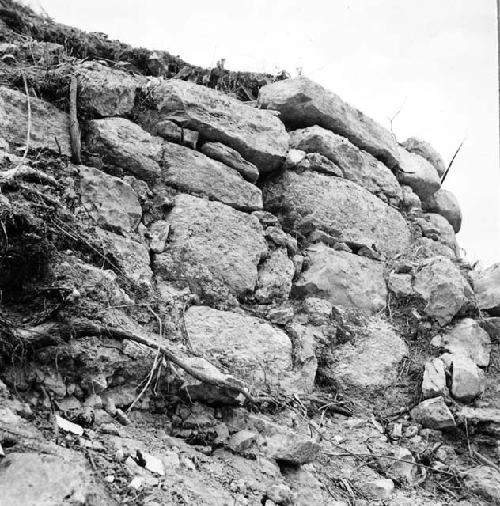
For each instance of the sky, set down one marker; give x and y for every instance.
(434, 61)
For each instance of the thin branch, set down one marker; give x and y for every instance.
(452, 160)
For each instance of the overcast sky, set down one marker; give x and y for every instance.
(436, 60)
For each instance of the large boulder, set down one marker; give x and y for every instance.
(302, 103)
(356, 165)
(105, 91)
(441, 285)
(343, 279)
(49, 125)
(443, 202)
(486, 284)
(250, 349)
(127, 146)
(193, 172)
(340, 208)
(466, 338)
(368, 362)
(111, 202)
(425, 150)
(419, 174)
(257, 135)
(212, 248)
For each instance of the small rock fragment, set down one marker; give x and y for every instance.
(433, 414)
(434, 380)
(68, 426)
(467, 379)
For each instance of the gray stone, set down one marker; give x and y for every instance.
(303, 103)
(484, 481)
(441, 285)
(250, 348)
(381, 488)
(130, 256)
(275, 277)
(293, 158)
(257, 135)
(242, 441)
(280, 238)
(426, 248)
(492, 326)
(483, 420)
(486, 284)
(419, 174)
(343, 279)
(410, 200)
(435, 227)
(433, 414)
(434, 379)
(318, 310)
(370, 361)
(192, 172)
(356, 165)
(158, 236)
(49, 125)
(231, 158)
(467, 381)
(283, 444)
(126, 145)
(213, 248)
(466, 338)
(319, 163)
(63, 478)
(425, 150)
(444, 203)
(400, 284)
(111, 202)
(210, 393)
(105, 91)
(338, 207)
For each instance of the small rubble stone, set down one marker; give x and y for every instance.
(418, 173)
(275, 277)
(381, 488)
(400, 284)
(433, 414)
(158, 235)
(441, 285)
(467, 381)
(443, 202)
(466, 338)
(231, 158)
(486, 284)
(434, 379)
(241, 441)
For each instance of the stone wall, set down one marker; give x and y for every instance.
(290, 244)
